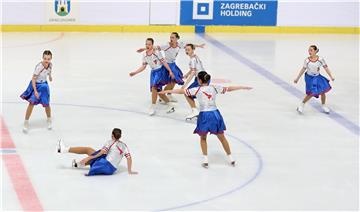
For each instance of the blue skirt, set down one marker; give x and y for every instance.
(100, 166)
(44, 94)
(177, 73)
(158, 78)
(210, 122)
(316, 85)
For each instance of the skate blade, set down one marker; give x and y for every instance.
(171, 110)
(205, 165)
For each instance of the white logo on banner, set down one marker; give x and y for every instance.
(203, 9)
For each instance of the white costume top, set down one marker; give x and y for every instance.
(206, 95)
(172, 52)
(154, 60)
(196, 63)
(41, 72)
(313, 67)
(116, 150)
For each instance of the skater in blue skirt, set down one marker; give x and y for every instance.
(104, 161)
(316, 84)
(209, 119)
(38, 91)
(171, 50)
(159, 76)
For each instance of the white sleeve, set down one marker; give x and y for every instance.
(144, 62)
(220, 89)
(107, 145)
(50, 68)
(192, 91)
(192, 63)
(181, 45)
(306, 62)
(323, 63)
(163, 47)
(38, 69)
(127, 152)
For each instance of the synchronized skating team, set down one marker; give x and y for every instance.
(165, 74)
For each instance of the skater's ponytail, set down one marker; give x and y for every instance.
(116, 133)
(204, 77)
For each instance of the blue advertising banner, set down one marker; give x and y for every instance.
(228, 12)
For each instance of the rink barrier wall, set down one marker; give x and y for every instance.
(160, 28)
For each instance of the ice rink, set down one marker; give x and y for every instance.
(285, 161)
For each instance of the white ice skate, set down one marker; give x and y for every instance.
(325, 109)
(26, 127)
(300, 109)
(49, 124)
(194, 114)
(61, 148)
(152, 110)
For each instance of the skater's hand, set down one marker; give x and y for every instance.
(50, 78)
(202, 45)
(37, 95)
(296, 80)
(132, 74)
(247, 88)
(332, 79)
(172, 75)
(140, 50)
(84, 161)
(132, 172)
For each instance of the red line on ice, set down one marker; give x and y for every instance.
(19, 178)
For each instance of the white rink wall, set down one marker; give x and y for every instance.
(152, 12)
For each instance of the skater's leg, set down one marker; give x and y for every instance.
(29, 111)
(82, 150)
(224, 143)
(48, 112)
(226, 147)
(323, 98)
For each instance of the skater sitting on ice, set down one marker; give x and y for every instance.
(104, 161)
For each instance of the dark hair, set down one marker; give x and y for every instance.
(47, 52)
(191, 45)
(150, 39)
(116, 133)
(204, 76)
(176, 35)
(315, 48)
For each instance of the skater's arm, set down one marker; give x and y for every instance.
(140, 50)
(329, 73)
(302, 71)
(176, 91)
(168, 68)
(33, 83)
(129, 165)
(139, 70)
(234, 88)
(189, 76)
(200, 46)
